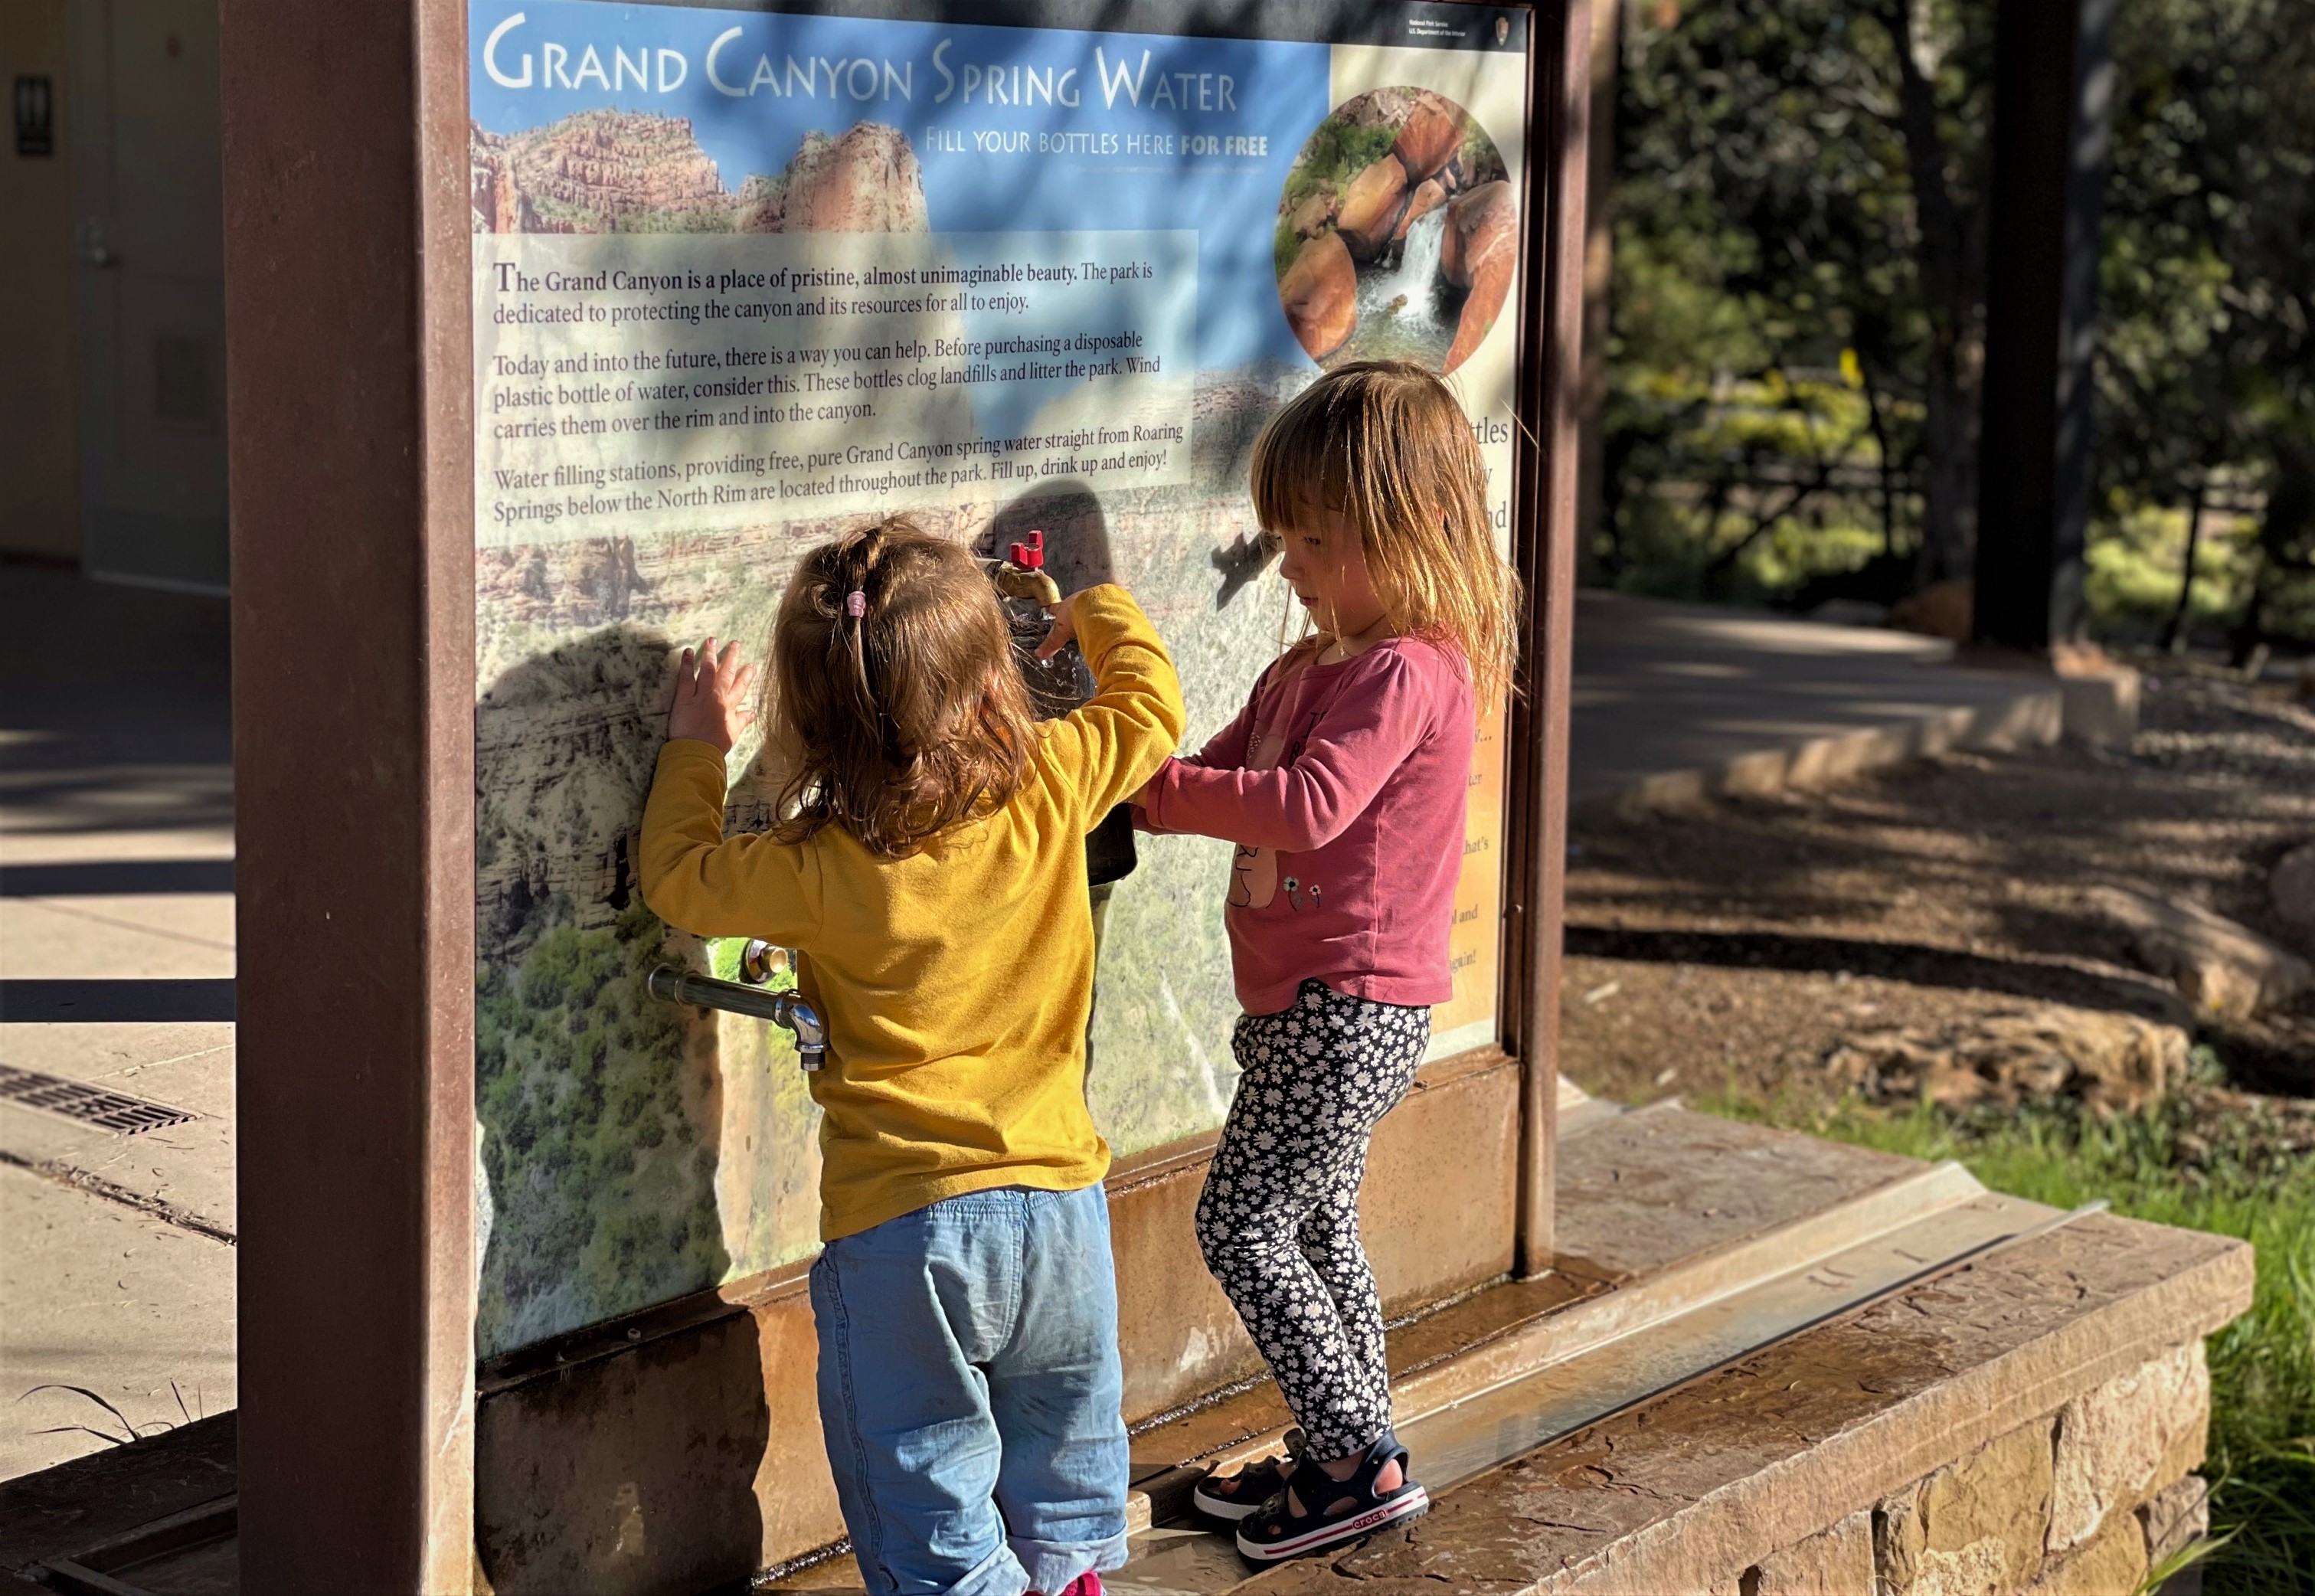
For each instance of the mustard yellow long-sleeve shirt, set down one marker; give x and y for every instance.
(954, 983)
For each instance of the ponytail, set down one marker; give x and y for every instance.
(850, 595)
(876, 693)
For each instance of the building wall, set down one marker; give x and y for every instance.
(37, 477)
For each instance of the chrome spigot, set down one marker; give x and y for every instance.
(760, 961)
(810, 1032)
(785, 1009)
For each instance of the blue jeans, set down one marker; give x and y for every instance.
(969, 1390)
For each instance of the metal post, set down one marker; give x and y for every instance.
(351, 445)
(2053, 99)
(1548, 465)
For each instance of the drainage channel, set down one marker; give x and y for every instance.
(1463, 1438)
(117, 1112)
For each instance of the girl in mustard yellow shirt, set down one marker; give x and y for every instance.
(931, 869)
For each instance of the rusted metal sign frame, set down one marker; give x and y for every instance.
(1548, 458)
(349, 374)
(350, 383)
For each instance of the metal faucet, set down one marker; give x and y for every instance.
(786, 1009)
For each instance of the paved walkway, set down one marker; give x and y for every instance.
(1671, 699)
(116, 934)
(116, 969)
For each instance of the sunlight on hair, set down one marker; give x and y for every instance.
(872, 716)
(1385, 443)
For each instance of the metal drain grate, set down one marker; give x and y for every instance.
(91, 1105)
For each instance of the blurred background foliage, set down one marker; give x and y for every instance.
(1797, 312)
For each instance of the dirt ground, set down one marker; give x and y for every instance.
(1733, 948)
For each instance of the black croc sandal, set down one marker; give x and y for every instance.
(1232, 1497)
(1333, 1511)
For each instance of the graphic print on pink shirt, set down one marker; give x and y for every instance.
(1341, 789)
(1254, 871)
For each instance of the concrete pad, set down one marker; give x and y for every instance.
(166, 939)
(190, 1065)
(200, 919)
(72, 799)
(189, 1166)
(62, 846)
(1671, 703)
(94, 1294)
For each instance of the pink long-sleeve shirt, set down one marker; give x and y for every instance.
(1342, 786)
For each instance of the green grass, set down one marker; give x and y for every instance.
(2262, 1450)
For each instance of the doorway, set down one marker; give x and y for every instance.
(148, 237)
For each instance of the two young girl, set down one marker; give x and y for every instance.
(931, 868)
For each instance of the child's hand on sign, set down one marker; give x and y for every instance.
(711, 695)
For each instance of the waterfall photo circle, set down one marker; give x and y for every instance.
(1397, 233)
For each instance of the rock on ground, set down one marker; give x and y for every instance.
(2114, 1061)
(2218, 964)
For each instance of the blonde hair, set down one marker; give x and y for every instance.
(1384, 443)
(906, 719)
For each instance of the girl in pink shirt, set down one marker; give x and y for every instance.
(1342, 782)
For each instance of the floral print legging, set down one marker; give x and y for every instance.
(1279, 1219)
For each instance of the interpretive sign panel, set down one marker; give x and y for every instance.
(711, 382)
(745, 276)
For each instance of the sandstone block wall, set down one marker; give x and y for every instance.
(2080, 1503)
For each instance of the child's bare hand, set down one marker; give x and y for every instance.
(1064, 629)
(711, 695)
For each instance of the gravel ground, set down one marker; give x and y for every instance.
(1734, 947)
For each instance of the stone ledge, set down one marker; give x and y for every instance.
(1668, 1208)
(1723, 1474)
(2119, 1444)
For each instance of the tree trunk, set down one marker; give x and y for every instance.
(2175, 634)
(1594, 512)
(1950, 259)
(1888, 466)
(1949, 469)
